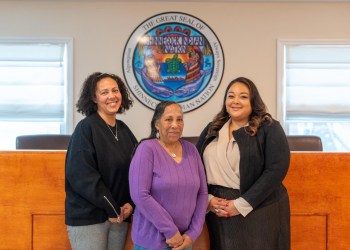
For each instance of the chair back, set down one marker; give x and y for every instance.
(43, 142)
(192, 139)
(304, 143)
(296, 142)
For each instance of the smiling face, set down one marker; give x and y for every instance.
(238, 103)
(108, 98)
(170, 125)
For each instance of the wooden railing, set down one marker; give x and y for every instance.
(32, 201)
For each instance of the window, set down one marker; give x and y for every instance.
(314, 90)
(35, 88)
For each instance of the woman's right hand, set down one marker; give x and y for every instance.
(175, 241)
(216, 205)
(114, 220)
(186, 244)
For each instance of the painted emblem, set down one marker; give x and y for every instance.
(173, 56)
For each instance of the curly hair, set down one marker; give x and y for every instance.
(257, 117)
(86, 104)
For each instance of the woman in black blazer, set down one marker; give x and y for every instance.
(246, 157)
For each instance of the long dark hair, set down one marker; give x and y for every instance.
(86, 104)
(258, 115)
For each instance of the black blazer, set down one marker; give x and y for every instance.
(264, 162)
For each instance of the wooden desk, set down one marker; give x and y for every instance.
(32, 201)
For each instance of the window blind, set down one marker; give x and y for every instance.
(32, 84)
(317, 82)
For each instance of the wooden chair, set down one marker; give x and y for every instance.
(304, 143)
(43, 142)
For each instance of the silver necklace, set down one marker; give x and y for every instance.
(172, 154)
(116, 131)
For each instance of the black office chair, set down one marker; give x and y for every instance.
(192, 139)
(43, 142)
(304, 143)
(296, 142)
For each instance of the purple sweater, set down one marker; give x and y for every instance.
(169, 196)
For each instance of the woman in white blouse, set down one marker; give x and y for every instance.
(246, 157)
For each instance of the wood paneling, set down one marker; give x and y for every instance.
(32, 201)
(309, 231)
(45, 229)
(319, 185)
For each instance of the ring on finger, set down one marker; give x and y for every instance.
(216, 210)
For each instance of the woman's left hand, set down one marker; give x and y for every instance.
(126, 210)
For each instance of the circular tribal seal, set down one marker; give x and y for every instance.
(173, 57)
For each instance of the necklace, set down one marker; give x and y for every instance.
(116, 131)
(172, 154)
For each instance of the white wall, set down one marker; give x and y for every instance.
(247, 31)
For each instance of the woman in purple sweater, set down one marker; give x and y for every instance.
(167, 184)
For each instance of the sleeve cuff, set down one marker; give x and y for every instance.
(243, 207)
(210, 196)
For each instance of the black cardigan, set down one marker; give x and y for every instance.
(96, 171)
(264, 162)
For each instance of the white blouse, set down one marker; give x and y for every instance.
(221, 160)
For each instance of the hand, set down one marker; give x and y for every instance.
(126, 210)
(217, 205)
(113, 220)
(186, 244)
(230, 209)
(175, 241)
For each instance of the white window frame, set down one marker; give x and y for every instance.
(281, 59)
(68, 105)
